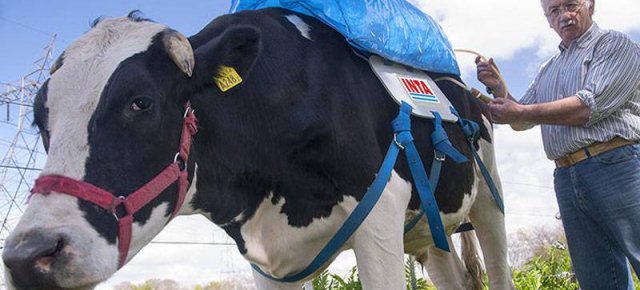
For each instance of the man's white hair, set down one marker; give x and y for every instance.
(588, 4)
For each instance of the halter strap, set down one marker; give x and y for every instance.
(176, 171)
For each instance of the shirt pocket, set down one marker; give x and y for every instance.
(584, 69)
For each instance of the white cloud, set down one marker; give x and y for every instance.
(526, 176)
(480, 26)
(620, 15)
(502, 28)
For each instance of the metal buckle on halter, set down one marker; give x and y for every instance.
(114, 206)
(439, 156)
(178, 159)
(189, 119)
(186, 111)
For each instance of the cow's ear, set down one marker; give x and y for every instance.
(236, 49)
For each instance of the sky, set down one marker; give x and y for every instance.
(515, 33)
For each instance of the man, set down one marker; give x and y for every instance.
(587, 100)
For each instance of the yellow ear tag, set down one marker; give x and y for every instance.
(227, 78)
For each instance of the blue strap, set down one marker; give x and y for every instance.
(427, 199)
(402, 127)
(471, 130)
(402, 140)
(441, 141)
(434, 177)
(363, 208)
(488, 179)
(443, 146)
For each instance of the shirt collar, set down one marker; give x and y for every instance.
(585, 39)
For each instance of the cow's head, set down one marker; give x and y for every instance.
(110, 116)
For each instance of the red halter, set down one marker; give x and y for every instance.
(176, 171)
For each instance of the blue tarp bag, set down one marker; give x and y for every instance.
(393, 29)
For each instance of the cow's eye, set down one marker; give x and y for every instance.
(141, 103)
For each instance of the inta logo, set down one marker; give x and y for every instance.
(419, 90)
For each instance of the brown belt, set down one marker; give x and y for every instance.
(591, 150)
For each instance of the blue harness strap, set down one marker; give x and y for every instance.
(402, 140)
(434, 177)
(402, 127)
(443, 147)
(471, 130)
(441, 141)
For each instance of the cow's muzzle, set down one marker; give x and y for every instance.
(31, 258)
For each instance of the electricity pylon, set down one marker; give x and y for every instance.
(20, 147)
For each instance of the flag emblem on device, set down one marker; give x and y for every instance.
(419, 90)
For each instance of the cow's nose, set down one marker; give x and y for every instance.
(30, 258)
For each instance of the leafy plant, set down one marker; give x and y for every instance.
(328, 281)
(551, 270)
(420, 283)
(351, 283)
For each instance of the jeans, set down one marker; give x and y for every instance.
(599, 201)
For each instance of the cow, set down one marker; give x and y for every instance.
(283, 149)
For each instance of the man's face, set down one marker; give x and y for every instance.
(569, 18)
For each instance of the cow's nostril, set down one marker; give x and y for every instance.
(30, 258)
(51, 248)
(43, 263)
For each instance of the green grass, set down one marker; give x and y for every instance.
(328, 281)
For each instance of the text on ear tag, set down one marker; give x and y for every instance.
(227, 78)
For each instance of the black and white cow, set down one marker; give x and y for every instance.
(279, 161)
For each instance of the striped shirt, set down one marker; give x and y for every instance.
(602, 68)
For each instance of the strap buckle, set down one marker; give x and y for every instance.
(395, 141)
(114, 206)
(187, 110)
(182, 165)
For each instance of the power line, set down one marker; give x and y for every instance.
(27, 27)
(20, 167)
(528, 184)
(531, 214)
(192, 243)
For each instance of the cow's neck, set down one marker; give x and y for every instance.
(227, 189)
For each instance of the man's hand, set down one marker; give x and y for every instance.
(488, 75)
(506, 111)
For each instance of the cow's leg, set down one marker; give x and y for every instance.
(446, 270)
(264, 283)
(489, 224)
(378, 243)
